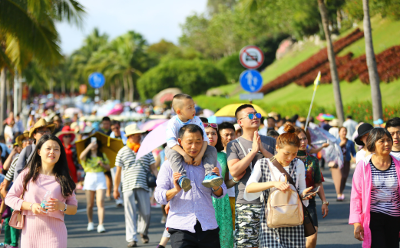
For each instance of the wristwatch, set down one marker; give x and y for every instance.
(325, 203)
(65, 209)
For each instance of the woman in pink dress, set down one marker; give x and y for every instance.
(48, 194)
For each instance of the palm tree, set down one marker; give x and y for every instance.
(28, 31)
(122, 59)
(332, 62)
(371, 63)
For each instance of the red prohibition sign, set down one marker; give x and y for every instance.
(251, 57)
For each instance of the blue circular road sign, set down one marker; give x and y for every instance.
(96, 80)
(251, 80)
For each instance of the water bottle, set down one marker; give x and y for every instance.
(44, 201)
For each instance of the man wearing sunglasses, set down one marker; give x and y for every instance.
(243, 153)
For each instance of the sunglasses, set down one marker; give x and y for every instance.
(213, 125)
(251, 116)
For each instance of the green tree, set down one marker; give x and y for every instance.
(28, 31)
(193, 77)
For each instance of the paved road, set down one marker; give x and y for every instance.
(333, 230)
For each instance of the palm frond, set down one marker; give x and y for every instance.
(69, 10)
(41, 38)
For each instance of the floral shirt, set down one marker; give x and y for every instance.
(313, 172)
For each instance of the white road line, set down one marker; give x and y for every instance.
(331, 181)
(94, 209)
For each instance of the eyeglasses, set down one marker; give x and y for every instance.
(213, 125)
(251, 116)
(67, 136)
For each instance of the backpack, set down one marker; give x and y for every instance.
(283, 209)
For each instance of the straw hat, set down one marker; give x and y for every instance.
(132, 129)
(39, 124)
(21, 137)
(66, 130)
(334, 123)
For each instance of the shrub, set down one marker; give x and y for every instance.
(231, 67)
(193, 77)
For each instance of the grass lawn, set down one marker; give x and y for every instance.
(386, 33)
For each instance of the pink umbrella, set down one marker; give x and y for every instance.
(154, 139)
(118, 109)
(150, 125)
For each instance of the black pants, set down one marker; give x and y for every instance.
(384, 230)
(199, 239)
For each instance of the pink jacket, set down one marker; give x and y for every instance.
(360, 202)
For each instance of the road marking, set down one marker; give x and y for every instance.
(94, 209)
(331, 181)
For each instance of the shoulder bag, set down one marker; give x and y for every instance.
(17, 218)
(308, 225)
(284, 208)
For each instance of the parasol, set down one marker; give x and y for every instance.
(150, 125)
(110, 146)
(154, 139)
(229, 110)
(332, 153)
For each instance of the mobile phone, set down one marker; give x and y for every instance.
(312, 192)
(93, 140)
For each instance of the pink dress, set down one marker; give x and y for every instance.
(43, 230)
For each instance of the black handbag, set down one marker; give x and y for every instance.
(308, 225)
(151, 180)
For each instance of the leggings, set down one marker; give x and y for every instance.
(384, 230)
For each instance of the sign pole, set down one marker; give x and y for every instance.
(316, 83)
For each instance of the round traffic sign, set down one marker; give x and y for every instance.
(251, 80)
(251, 57)
(96, 80)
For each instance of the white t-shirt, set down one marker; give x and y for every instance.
(396, 154)
(335, 132)
(231, 191)
(360, 155)
(256, 176)
(10, 135)
(175, 124)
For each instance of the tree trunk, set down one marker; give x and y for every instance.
(8, 94)
(112, 90)
(131, 88)
(371, 63)
(332, 62)
(126, 89)
(119, 90)
(3, 98)
(16, 89)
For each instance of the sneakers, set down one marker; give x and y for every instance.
(90, 226)
(132, 244)
(184, 183)
(212, 180)
(101, 229)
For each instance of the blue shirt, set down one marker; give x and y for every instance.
(350, 150)
(123, 136)
(4, 149)
(188, 207)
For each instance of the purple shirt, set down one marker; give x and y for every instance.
(188, 207)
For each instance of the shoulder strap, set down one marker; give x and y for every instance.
(244, 152)
(282, 170)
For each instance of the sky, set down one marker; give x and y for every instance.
(154, 19)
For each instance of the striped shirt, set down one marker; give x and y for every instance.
(385, 191)
(134, 171)
(11, 170)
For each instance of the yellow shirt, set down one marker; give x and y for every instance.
(92, 164)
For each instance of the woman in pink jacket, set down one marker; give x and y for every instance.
(48, 194)
(375, 195)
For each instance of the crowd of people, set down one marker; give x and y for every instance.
(216, 183)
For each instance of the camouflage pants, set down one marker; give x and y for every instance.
(247, 225)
